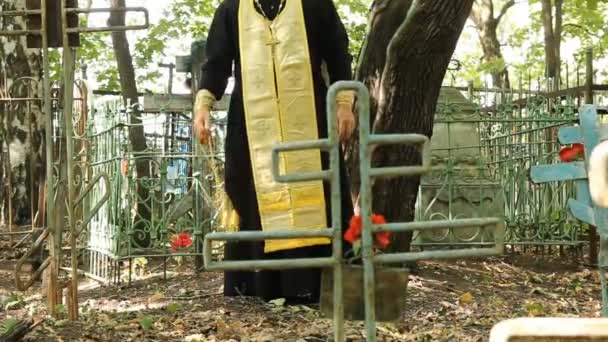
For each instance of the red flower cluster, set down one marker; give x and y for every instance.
(569, 154)
(353, 233)
(181, 240)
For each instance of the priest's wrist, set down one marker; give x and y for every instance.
(345, 98)
(344, 107)
(204, 101)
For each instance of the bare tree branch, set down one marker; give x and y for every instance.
(582, 28)
(505, 8)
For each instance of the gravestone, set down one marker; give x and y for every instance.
(459, 186)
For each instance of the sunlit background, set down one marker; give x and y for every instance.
(468, 50)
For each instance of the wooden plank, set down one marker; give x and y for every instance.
(558, 172)
(155, 103)
(582, 191)
(582, 211)
(570, 135)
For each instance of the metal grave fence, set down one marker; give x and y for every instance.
(55, 24)
(481, 157)
(368, 173)
(180, 192)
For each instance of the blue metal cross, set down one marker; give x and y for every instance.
(589, 132)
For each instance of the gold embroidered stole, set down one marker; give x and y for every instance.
(279, 102)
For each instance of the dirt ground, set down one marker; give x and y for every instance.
(446, 301)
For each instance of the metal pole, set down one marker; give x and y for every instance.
(69, 60)
(365, 165)
(9, 183)
(171, 67)
(589, 76)
(603, 266)
(336, 217)
(593, 238)
(54, 232)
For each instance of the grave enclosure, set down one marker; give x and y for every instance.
(466, 202)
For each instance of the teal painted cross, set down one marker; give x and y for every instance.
(589, 132)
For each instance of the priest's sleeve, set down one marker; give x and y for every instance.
(335, 44)
(219, 53)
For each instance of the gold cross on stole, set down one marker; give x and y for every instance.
(271, 41)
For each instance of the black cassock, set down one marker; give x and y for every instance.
(328, 42)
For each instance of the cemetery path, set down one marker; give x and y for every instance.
(447, 301)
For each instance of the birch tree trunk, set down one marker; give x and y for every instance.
(21, 123)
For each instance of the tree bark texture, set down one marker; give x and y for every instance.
(21, 123)
(137, 137)
(404, 81)
(486, 24)
(552, 26)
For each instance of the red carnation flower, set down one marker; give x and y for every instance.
(579, 148)
(353, 233)
(378, 219)
(570, 154)
(383, 239)
(181, 240)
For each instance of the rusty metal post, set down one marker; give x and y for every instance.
(593, 236)
(589, 76)
(69, 68)
(60, 23)
(69, 64)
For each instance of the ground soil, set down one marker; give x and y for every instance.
(446, 301)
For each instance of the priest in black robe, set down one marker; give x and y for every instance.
(277, 48)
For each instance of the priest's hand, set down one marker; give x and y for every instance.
(346, 121)
(200, 125)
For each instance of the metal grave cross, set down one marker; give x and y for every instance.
(590, 133)
(54, 23)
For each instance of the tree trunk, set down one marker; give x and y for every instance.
(552, 38)
(21, 123)
(404, 81)
(552, 26)
(136, 132)
(486, 24)
(557, 34)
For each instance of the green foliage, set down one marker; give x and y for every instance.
(353, 13)
(185, 21)
(8, 325)
(14, 301)
(584, 25)
(174, 308)
(493, 66)
(146, 323)
(60, 309)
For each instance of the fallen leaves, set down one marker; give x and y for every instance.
(465, 298)
(278, 302)
(445, 302)
(156, 298)
(534, 309)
